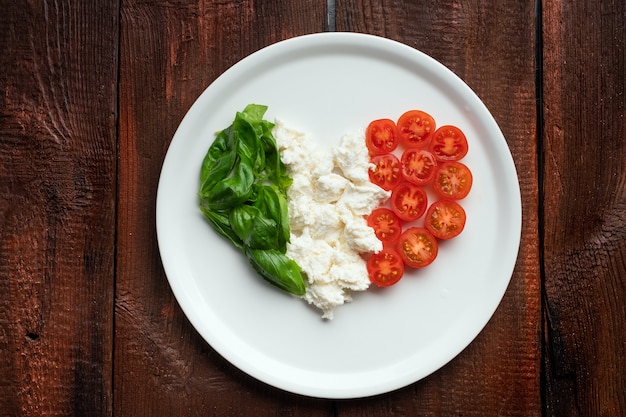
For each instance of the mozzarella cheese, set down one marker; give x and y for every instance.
(328, 202)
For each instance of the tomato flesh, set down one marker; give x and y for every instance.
(408, 201)
(386, 172)
(415, 128)
(381, 136)
(386, 225)
(385, 268)
(445, 219)
(418, 166)
(449, 143)
(453, 180)
(417, 247)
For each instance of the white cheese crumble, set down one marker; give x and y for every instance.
(328, 202)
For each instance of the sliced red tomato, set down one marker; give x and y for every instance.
(448, 143)
(415, 128)
(417, 247)
(408, 201)
(386, 172)
(385, 268)
(445, 219)
(418, 166)
(386, 225)
(453, 180)
(381, 136)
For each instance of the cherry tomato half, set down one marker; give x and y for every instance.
(381, 136)
(386, 225)
(385, 268)
(415, 128)
(386, 172)
(453, 180)
(408, 201)
(418, 166)
(448, 143)
(417, 247)
(445, 219)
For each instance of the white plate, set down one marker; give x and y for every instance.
(327, 85)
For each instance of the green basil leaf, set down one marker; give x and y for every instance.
(242, 193)
(254, 228)
(224, 143)
(273, 203)
(274, 167)
(220, 170)
(277, 269)
(232, 191)
(249, 149)
(221, 223)
(254, 113)
(219, 161)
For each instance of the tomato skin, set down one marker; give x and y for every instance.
(415, 128)
(386, 172)
(418, 166)
(385, 268)
(381, 136)
(445, 219)
(449, 143)
(453, 180)
(417, 247)
(408, 201)
(386, 224)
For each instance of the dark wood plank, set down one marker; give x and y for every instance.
(585, 207)
(170, 52)
(489, 44)
(58, 76)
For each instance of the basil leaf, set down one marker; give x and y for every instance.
(221, 223)
(273, 203)
(273, 164)
(249, 148)
(254, 113)
(277, 269)
(222, 145)
(254, 228)
(242, 193)
(217, 172)
(232, 191)
(219, 161)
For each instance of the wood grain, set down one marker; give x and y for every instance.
(88, 323)
(170, 52)
(57, 207)
(584, 189)
(490, 45)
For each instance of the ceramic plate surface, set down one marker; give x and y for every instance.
(327, 85)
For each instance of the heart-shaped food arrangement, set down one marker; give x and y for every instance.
(320, 227)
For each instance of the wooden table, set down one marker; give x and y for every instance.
(92, 93)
